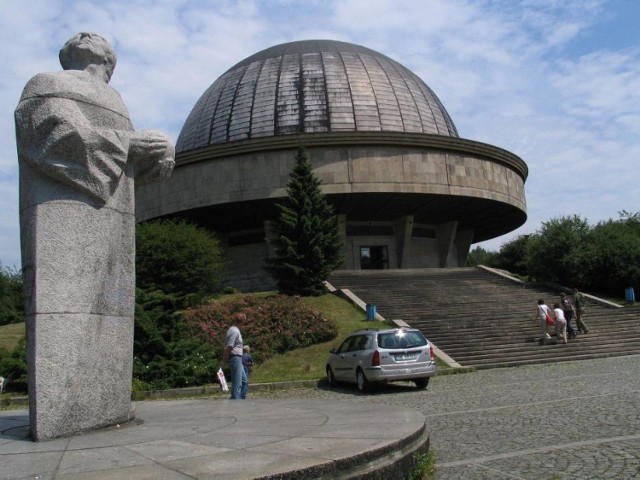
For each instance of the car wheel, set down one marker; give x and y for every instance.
(363, 383)
(422, 383)
(331, 378)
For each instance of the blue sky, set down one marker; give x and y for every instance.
(556, 82)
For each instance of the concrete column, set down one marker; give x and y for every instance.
(403, 230)
(269, 234)
(342, 232)
(446, 234)
(463, 243)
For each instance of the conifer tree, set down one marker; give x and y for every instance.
(305, 235)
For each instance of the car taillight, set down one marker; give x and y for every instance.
(433, 357)
(375, 360)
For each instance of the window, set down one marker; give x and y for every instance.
(369, 230)
(401, 339)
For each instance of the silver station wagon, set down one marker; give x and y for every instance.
(370, 356)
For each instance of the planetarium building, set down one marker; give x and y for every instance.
(408, 192)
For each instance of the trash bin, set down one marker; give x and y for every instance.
(371, 311)
(629, 295)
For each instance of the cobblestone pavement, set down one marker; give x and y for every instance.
(571, 420)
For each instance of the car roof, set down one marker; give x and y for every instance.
(385, 330)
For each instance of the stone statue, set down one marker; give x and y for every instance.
(79, 156)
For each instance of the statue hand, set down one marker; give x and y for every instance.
(150, 144)
(152, 154)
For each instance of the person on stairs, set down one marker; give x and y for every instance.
(541, 316)
(579, 301)
(561, 323)
(567, 308)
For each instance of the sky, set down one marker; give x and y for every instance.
(557, 82)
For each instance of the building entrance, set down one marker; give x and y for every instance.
(374, 257)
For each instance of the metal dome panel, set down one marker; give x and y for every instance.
(313, 86)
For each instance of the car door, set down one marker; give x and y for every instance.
(346, 358)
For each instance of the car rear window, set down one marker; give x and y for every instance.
(401, 339)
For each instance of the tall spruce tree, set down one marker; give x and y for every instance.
(305, 235)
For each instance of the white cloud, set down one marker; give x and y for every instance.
(601, 85)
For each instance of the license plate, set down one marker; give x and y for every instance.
(406, 356)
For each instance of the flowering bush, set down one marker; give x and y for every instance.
(174, 347)
(274, 324)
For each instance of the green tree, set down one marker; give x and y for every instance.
(613, 256)
(11, 296)
(306, 240)
(557, 252)
(167, 352)
(480, 256)
(631, 218)
(513, 255)
(177, 263)
(177, 257)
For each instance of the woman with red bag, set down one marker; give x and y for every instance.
(542, 314)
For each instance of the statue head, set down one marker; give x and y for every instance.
(89, 51)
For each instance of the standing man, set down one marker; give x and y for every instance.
(233, 349)
(579, 301)
(567, 308)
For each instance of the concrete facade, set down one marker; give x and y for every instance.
(408, 191)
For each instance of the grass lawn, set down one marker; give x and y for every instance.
(10, 335)
(308, 363)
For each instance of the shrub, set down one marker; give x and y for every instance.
(11, 305)
(13, 366)
(176, 256)
(274, 324)
(167, 353)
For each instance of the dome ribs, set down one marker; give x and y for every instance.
(315, 117)
(240, 117)
(388, 106)
(363, 97)
(222, 117)
(341, 114)
(287, 120)
(264, 101)
(200, 118)
(443, 121)
(411, 117)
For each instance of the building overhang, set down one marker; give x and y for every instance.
(454, 145)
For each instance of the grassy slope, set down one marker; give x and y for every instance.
(302, 364)
(308, 363)
(10, 335)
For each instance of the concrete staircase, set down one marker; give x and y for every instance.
(484, 320)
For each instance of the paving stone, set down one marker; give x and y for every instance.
(569, 420)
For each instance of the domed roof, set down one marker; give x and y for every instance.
(313, 86)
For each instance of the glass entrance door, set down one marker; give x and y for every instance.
(374, 257)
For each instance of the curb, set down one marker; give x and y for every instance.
(214, 389)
